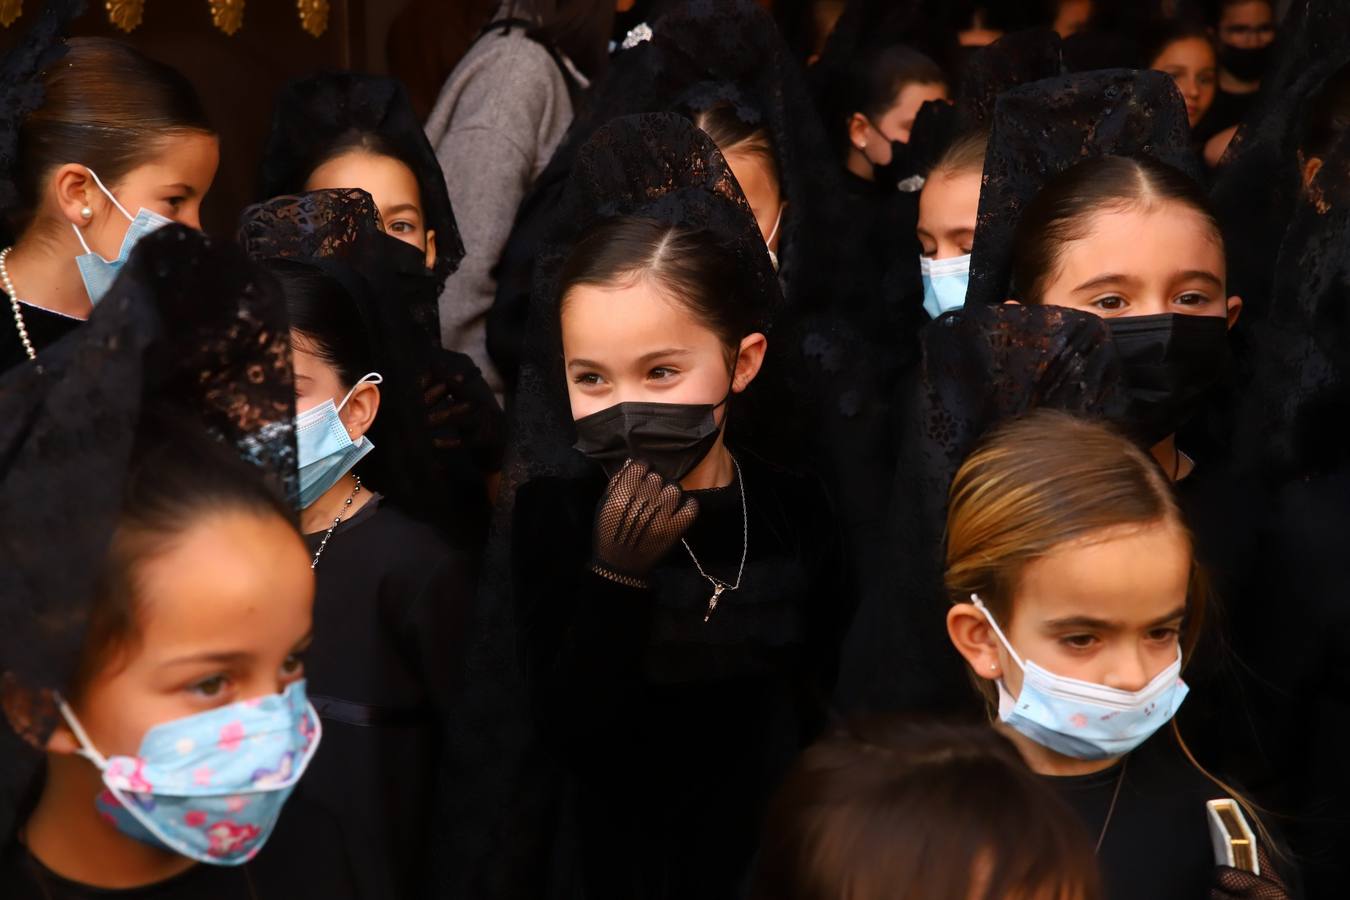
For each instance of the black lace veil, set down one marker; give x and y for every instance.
(339, 232)
(315, 113)
(1258, 183)
(1041, 129)
(191, 327)
(22, 91)
(700, 53)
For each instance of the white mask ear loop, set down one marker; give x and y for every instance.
(989, 617)
(87, 749)
(120, 208)
(776, 222)
(369, 378)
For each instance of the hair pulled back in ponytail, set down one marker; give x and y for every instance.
(106, 106)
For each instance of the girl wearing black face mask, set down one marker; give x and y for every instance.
(883, 93)
(679, 622)
(1246, 42)
(1133, 241)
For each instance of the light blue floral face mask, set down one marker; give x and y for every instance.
(944, 283)
(99, 273)
(1082, 719)
(326, 452)
(211, 786)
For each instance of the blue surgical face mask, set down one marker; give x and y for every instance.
(211, 786)
(944, 283)
(99, 273)
(326, 452)
(1082, 719)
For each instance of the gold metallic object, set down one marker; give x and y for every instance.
(9, 11)
(227, 15)
(313, 16)
(125, 14)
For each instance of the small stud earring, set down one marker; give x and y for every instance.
(993, 667)
(87, 213)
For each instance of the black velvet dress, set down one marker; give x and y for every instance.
(673, 731)
(44, 328)
(388, 629)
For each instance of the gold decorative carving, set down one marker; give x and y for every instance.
(227, 15)
(9, 11)
(125, 14)
(313, 16)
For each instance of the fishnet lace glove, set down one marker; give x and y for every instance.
(1237, 884)
(640, 518)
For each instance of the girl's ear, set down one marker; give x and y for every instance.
(26, 710)
(1234, 309)
(973, 638)
(359, 413)
(431, 249)
(858, 128)
(748, 361)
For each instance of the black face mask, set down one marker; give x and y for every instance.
(898, 169)
(413, 284)
(672, 438)
(1246, 63)
(1171, 361)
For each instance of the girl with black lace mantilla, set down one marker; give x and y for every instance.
(391, 593)
(680, 635)
(154, 642)
(101, 146)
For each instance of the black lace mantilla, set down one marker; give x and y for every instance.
(189, 324)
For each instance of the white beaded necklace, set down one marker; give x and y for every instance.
(19, 323)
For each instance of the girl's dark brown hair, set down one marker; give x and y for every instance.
(179, 475)
(687, 265)
(894, 809)
(106, 106)
(1064, 210)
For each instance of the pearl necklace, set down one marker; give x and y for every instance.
(19, 323)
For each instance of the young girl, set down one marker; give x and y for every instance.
(118, 146)
(678, 639)
(1076, 602)
(153, 649)
(1185, 50)
(892, 809)
(949, 205)
(391, 594)
(340, 131)
(1132, 240)
(886, 89)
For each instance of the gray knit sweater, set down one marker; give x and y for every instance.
(498, 119)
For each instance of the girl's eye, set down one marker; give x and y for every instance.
(588, 378)
(293, 666)
(660, 372)
(1192, 298)
(1164, 635)
(1111, 303)
(1079, 641)
(210, 687)
(401, 227)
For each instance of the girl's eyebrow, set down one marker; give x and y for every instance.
(1103, 280)
(1200, 275)
(217, 657)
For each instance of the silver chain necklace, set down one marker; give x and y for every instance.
(19, 323)
(346, 506)
(718, 585)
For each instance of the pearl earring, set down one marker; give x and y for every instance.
(87, 213)
(993, 667)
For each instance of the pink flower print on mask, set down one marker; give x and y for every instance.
(231, 736)
(228, 838)
(1078, 720)
(202, 777)
(135, 781)
(236, 803)
(195, 818)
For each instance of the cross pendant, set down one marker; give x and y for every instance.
(712, 601)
